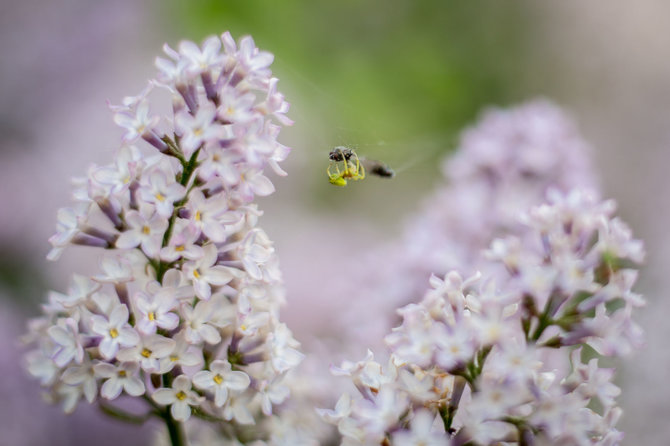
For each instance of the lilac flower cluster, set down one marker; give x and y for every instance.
(184, 311)
(504, 164)
(481, 354)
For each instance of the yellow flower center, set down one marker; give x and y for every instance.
(151, 316)
(146, 230)
(181, 396)
(146, 352)
(196, 273)
(160, 197)
(122, 373)
(218, 378)
(113, 332)
(179, 248)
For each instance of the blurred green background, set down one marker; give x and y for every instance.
(396, 80)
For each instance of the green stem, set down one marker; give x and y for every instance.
(544, 320)
(174, 149)
(189, 168)
(158, 410)
(122, 415)
(446, 419)
(481, 358)
(525, 436)
(197, 412)
(471, 372)
(449, 412)
(175, 429)
(554, 342)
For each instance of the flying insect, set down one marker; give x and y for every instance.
(346, 165)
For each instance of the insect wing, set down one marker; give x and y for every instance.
(378, 168)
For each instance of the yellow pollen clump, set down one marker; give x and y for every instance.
(198, 131)
(113, 332)
(243, 327)
(160, 197)
(151, 316)
(181, 396)
(179, 248)
(122, 373)
(197, 216)
(218, 378)
(174, 358)
(146, 352)
(196, 273)
(146, 230)
(230, 110)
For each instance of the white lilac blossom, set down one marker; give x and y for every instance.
(474, 360)
(180, 397)
(120, 377)
(220, 378)
(184, 313)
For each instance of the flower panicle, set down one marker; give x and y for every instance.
(486, 347)
(184, 312)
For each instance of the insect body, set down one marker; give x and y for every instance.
(346, 165)
(341, 154)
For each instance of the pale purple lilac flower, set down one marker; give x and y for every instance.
(114, 331)
(137, 124)
(220, 379)
(66, 335)
(195, 130)
(480, 349)
(189, 265)
(205, 272)
(121, 377)
(156, 311)
(180, 397)
(145, 230)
